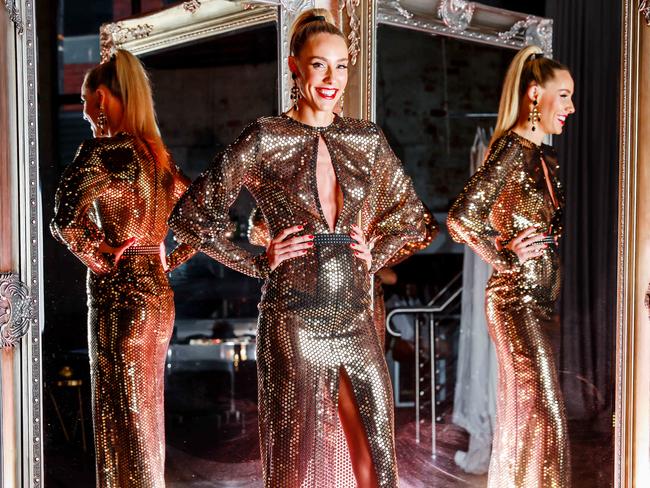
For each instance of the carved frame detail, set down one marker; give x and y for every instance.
(465, 20)
(14, 14)
(17, 310)
(644, 10)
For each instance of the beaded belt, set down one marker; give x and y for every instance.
(141, 250)
(332, 239)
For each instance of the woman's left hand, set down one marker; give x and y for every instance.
(360, 246)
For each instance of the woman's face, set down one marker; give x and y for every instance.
(321, 68)
(554, 102)
(90, 100)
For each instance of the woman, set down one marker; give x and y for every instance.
(509, 213)
(322, 375)
(111, 211)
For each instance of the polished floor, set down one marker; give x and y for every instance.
(210, 451)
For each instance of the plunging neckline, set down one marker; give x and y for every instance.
(337, 180)
(547, 176)
(319, 132)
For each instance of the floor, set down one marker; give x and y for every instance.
(218, 452)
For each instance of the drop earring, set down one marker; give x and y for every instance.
(534, 115)
(342, 101)
(102, 122)
(295, 93)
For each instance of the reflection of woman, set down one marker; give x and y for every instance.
(322, 372)
(509, 214)
(111, 210)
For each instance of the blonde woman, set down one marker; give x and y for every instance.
(509, 213)
(111, 211)
(322, 375)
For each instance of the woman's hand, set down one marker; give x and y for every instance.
(282, 247)
(361, 247)
(528, 244)
(117, 252)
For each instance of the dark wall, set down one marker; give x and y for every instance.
(430, 106)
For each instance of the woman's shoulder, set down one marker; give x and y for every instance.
(512, 146)
(121, 140)
(111, 152)
(358, 125)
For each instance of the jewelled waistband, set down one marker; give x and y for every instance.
(141, 250)
(332, 239)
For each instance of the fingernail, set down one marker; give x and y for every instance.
(356, 253)
(311, 237)
(310, 243)
(301, 226)
(351, 245)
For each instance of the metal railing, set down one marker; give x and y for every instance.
(435, 307)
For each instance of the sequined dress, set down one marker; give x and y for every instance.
(114, 190)
(508, 194)
(315, 313)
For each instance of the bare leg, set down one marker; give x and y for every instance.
(355, 434)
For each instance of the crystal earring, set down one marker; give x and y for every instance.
(295, 94)
(342, 101)
(534, 116)
(102, 122)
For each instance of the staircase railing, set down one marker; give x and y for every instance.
(427, 315)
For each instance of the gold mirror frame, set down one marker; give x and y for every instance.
(632, 418)
(21, 442)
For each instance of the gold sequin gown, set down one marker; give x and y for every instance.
(315, 313)
(258, 235)
(114, 190)
(508, 194)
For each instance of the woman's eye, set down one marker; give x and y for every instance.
(342, 66)
(318, 65)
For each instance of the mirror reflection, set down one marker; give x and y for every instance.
(438, 113)
(209, 374)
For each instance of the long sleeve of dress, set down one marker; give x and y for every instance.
(73, 224)
(182, 252)
(401, 223)
(469, 217)
(201, 219)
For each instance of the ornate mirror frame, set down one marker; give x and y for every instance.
(632, 419)
(21, 287)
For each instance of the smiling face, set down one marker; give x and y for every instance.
(321, 69)
(554, 102)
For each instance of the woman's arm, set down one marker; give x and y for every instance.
(183, 252)
(201, 219)
(401, 224)
(468, 219)
(74, 223)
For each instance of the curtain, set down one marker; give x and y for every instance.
(586, 39)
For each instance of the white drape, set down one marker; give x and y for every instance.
(475, 393)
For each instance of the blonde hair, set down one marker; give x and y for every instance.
(528, 66)
(124, 75)
(308, 24)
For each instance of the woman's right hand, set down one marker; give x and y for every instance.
(117, 252)
(282, 247)
(527, 244)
